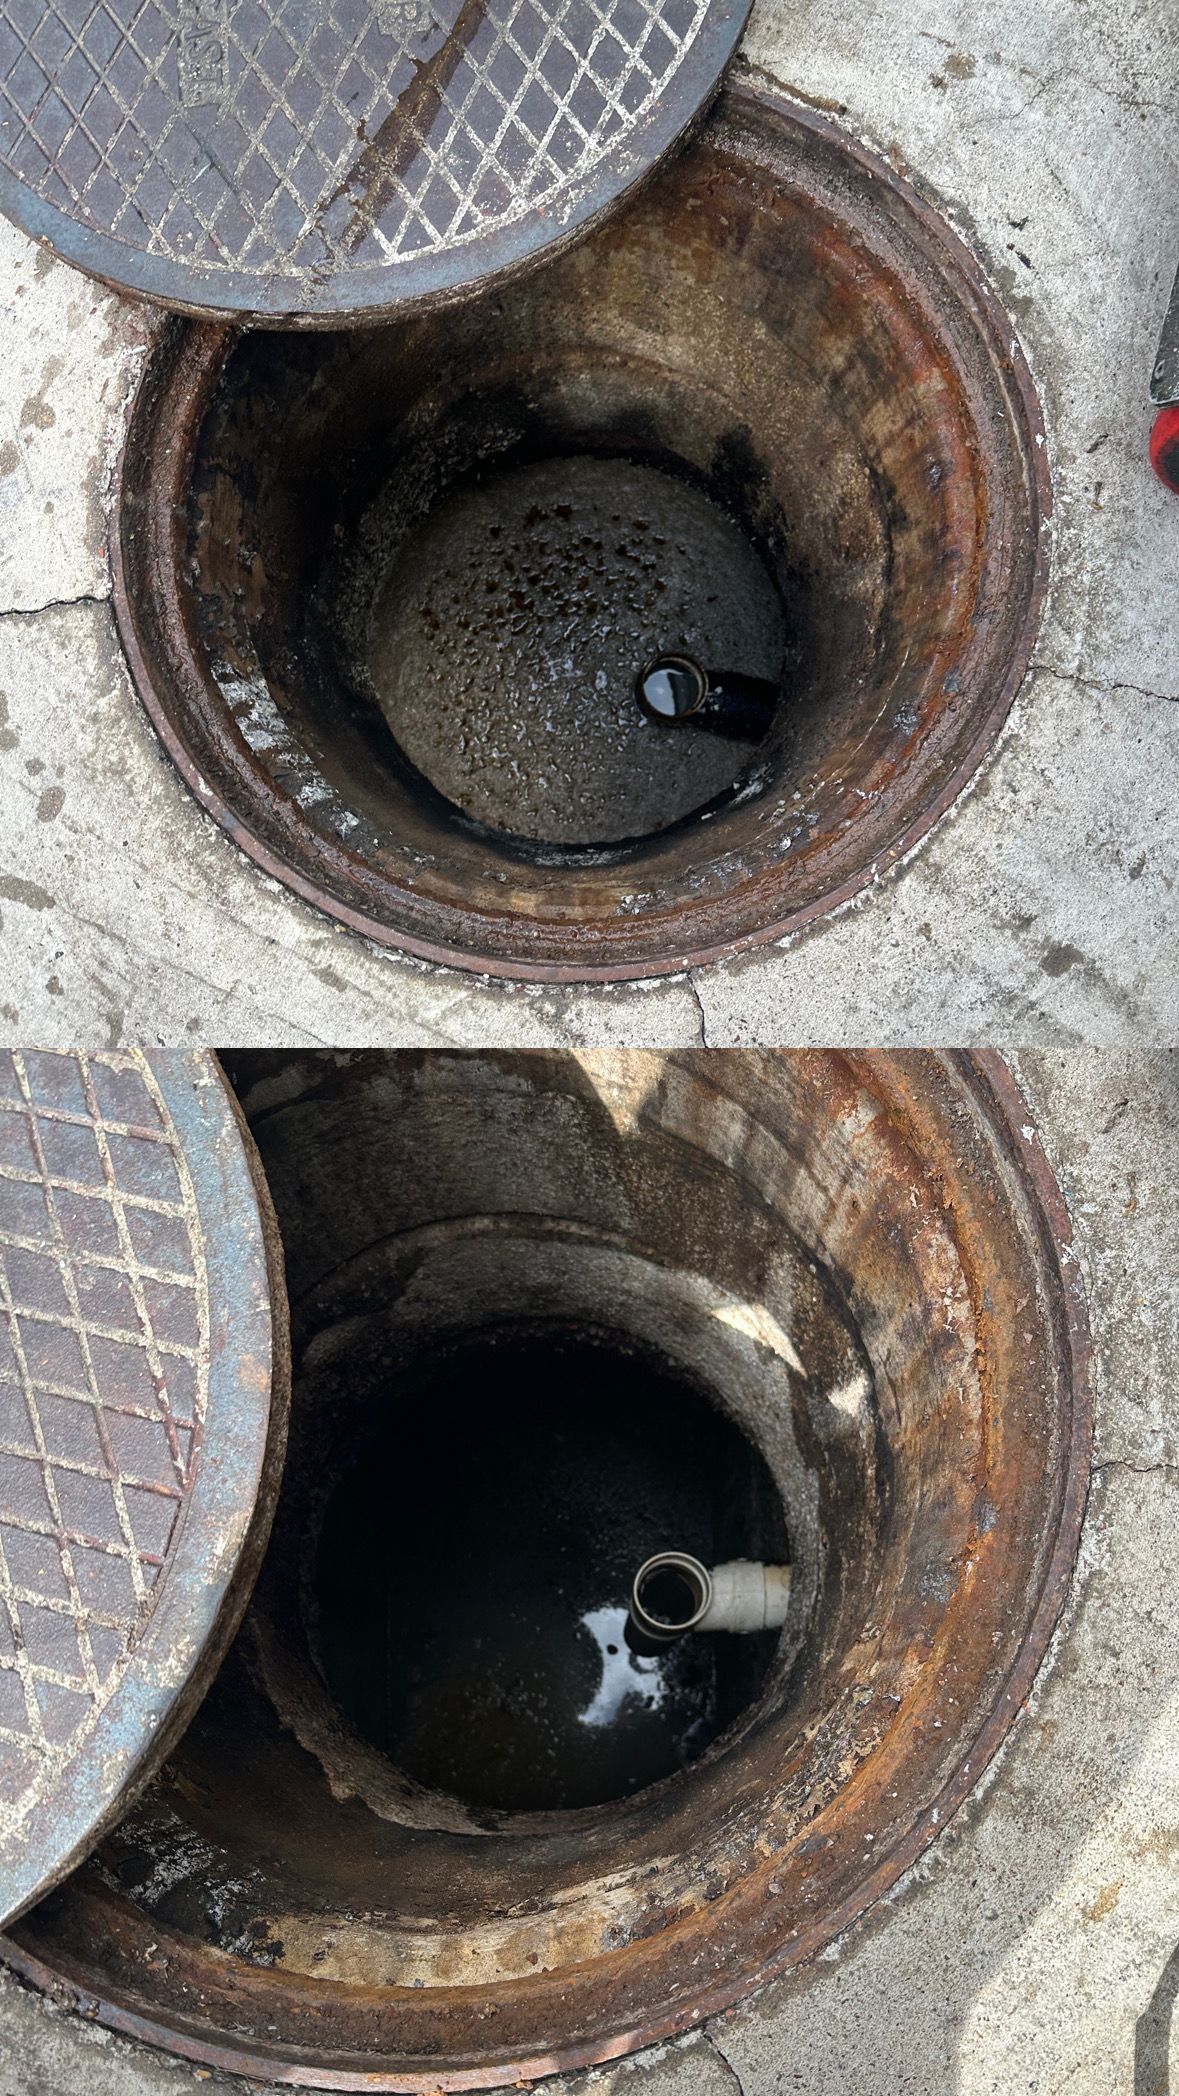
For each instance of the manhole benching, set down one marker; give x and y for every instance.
(386, 593)
(439, 1824)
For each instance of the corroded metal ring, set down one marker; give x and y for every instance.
(877, 429)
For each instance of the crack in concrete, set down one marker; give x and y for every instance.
(1137, 104)
(1060, 75)
(1043, 87)
(699, 1002)
(723, 2061)
(1136, 1469)
(34, 611)
(1049, 669)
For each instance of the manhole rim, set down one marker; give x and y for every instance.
(695, 944)
(992, 1086)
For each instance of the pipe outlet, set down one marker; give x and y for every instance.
(674, 1593)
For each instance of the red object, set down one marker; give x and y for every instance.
(1164, 447)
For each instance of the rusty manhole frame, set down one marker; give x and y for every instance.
(170, 676)
(994, 1093)
(240, 1406)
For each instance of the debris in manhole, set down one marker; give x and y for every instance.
(498, 638)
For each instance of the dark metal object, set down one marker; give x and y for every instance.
(1164, 381)
(914, 596)
(256, 158)
(919, 1180)
(676, 691)
(142, 1415)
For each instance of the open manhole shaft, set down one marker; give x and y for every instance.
(772, 419)
(860, 1264)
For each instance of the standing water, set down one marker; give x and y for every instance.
(475, 1561)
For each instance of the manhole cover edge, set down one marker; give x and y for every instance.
(226, 1516)
(375, 292)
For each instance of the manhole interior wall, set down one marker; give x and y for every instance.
(844, 1272)
(385, 592)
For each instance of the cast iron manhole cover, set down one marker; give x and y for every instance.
(137, 1432)
(319, 158)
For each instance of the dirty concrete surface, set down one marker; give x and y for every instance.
(1036, 1946)
(1041, 909)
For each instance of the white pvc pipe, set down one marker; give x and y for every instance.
(747, 1596)
(741, 1595)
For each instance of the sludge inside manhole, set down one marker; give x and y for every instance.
(842, 1274)
(386, 593)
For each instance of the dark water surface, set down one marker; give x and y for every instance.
(475, 1562)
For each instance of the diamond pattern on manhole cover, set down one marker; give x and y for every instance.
(107, 1321)
(316, 157)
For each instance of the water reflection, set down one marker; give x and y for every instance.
(624, 1674)
(477, 1637)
